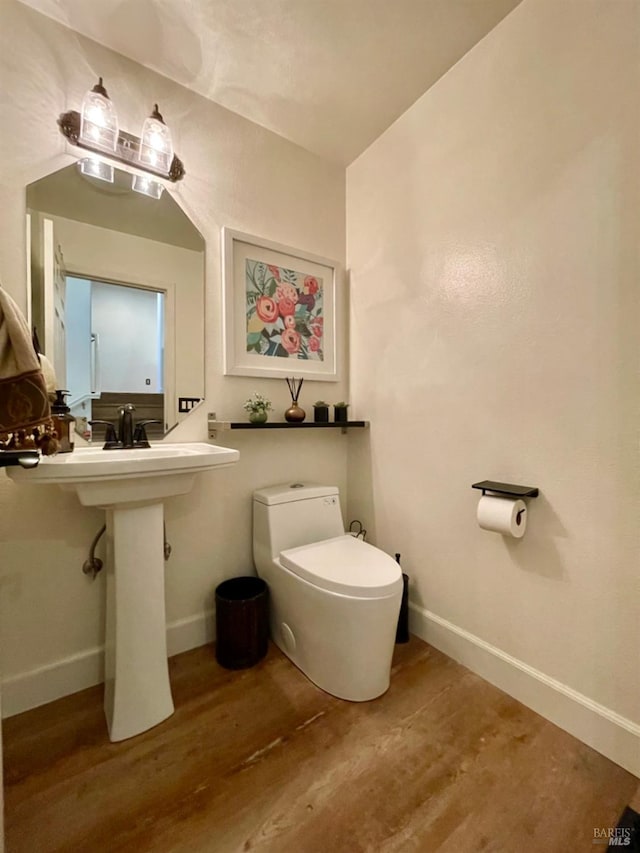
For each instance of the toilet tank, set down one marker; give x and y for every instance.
(292, 514)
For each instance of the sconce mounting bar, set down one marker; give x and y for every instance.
(127, 148)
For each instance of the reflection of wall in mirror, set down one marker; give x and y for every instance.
(101, 253)
(36, 273)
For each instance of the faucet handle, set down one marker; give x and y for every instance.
(110, 437)
(140, 435)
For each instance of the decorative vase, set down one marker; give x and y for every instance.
(340, 414)
(321, 414)
(258, 417)
(295, 414)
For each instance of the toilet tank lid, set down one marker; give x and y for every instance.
(287, 492)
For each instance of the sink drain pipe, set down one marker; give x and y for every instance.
(92, 565)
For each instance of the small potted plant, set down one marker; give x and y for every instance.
(321, 412)
(258, 407)
(340, 412)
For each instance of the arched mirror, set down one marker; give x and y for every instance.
(117, 284)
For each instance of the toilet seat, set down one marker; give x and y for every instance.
(345, 565)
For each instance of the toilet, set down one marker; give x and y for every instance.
(334, 599)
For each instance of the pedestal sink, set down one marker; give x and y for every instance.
(131, 486)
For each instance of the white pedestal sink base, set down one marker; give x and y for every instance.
(131, 485)
(137, 690)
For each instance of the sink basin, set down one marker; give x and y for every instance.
(131, 486)
(110, 477)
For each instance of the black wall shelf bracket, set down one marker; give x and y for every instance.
(507, 489)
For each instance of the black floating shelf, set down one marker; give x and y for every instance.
(507, 489)
(217, 426)
(287, 425)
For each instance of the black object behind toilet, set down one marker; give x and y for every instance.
(402, 631)
(242, 622)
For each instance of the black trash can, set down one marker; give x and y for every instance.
(242, 622)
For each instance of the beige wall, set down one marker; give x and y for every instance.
(238, 175)
(492, 241)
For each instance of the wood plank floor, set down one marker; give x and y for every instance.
(261, 760)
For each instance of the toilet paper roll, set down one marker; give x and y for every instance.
(503, 515)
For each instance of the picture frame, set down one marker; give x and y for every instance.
(280, 310)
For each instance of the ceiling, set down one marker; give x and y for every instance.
(330, 75)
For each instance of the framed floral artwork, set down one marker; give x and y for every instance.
(280, 310)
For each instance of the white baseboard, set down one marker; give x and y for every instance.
(85, 669)
(191, 633)
(42, 685)
(596, 725)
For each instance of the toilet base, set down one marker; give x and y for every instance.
(343, 644)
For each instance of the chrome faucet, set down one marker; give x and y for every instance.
(125, 425)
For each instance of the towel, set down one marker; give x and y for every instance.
(24, 405)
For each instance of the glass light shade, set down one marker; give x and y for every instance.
(156, 147)
(147, 186)
(98, 119)
(93, 167)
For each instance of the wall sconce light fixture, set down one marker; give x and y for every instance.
(147, 186)
(96, 129)
(156, 148)
(98, 119)
(94, 167)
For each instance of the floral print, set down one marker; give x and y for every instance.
(284, 312)
(286, 307)
(291, 341)
(266, 309)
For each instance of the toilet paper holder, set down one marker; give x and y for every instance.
(506, 489)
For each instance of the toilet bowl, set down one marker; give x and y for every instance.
(334, 599)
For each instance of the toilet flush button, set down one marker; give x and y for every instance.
(288, 638)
